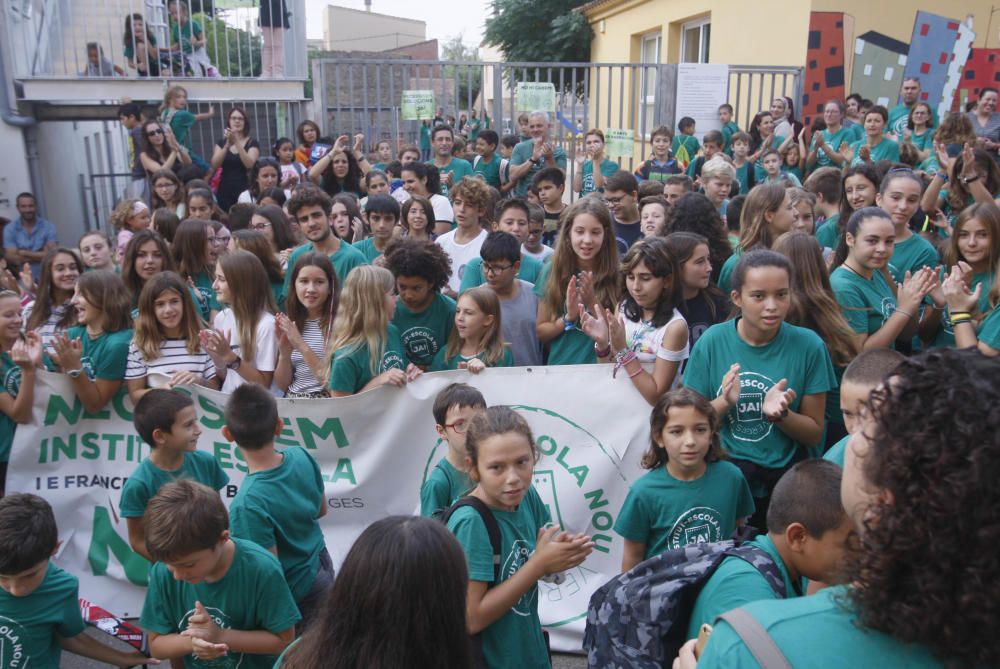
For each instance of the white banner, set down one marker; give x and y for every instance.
(374, 451)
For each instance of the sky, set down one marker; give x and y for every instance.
(443, 21)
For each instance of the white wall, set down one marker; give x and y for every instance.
(14, 177)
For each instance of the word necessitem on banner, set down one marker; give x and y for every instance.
(374, 449)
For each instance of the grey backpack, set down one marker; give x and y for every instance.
(639, 619)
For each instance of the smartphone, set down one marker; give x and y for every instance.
(703, 634)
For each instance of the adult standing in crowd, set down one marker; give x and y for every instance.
(235, 153)
(899, 115)
(986, 122)
(535, 153)
(28, 237)
(130, 116)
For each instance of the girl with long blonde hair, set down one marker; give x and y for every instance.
(476, 341)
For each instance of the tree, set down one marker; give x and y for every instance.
(469, 78)
(234, 52)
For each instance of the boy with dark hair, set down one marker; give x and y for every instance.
(733, 213)
(807, 534)
(507, 144)
(452, 168)
(662, 164)
(746, 175)
(470, 199)
(685, 145)
(454, 408)
(211, 596)
(502, 259)
(282, 498)
(382, 212)
(729, 127)
(39, 602)
(313, 209)
(512, 217)
(423, 315)
(130, 116)
(168, 422)
(620, 194)
(650, 189)
(533, 245)
(825, 183)
(865, 373)
(239, 215)
(487, 164)
(712, 144)
(550, 182)
(677, 186)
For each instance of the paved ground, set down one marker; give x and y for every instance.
(560, 661)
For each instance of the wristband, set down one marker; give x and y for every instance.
(568, 325)
(943, 176)
(959, 321)
(959, 314)
(904, 312)
(602, 352)
(624, 357)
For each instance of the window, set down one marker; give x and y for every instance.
(695, 38)
(652, 45)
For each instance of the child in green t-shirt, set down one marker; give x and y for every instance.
(690, 496)
(476, 342)
(282, 498)
(168, 422)
(211, 596)
(185, 32)
(807, 533)
(685, 145)
(39, 602)
(592, 166)
(454, 408)
(382, 212)
(423, 315)
(487, 164)
(550, 184)
(502, 455)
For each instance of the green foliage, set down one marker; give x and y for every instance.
(234, 52)
(468, 78)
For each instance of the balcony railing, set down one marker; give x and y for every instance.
(118, 39)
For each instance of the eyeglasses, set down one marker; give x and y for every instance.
(166, 186)
(614, 200)
(495, 269)
(460, 426)
(260, 226)
(158, 131)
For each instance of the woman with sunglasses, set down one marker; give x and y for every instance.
(160, 150)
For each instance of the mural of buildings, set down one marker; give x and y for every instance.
(982, 69)
(826, 61)
(959, 56)
(878, 67)
(931, 48)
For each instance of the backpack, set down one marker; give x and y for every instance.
(639, 619)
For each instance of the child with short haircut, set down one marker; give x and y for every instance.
(865, 373)
(551, 184)
(469, 201)
(685, 145)
(653, 211)
(807, 532)
(690, 495)
(282, 498)
(771, 160)
(487, 165)
(533, 245)
(510, 216)
(211, 596)
(662, 164)
(712, 144)
(676, 187)
(746, 175)
(621, 198)
(518, 302)
(423, 315)
(717, 179)
(453, 408)
(729, 128)
(506, 149)
(168, 422)
(39, 603)
(649, 189)
(592, 166)
(382, 212)
(825, 184)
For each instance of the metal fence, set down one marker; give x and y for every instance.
(364, 95)
(90, 38)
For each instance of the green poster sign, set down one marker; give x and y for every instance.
(418, 105)
(619, 141)
(535, 97)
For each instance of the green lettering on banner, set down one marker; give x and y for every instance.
(596, 498)
(225, 453)
(546, 445)
(579, 473)
(309, 431)
(104, 540)
(344, 471)
(211, 415)
(57, 407)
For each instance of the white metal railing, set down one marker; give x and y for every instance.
(60, 39)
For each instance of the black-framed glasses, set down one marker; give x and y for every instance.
(495, 269)
(614, 200)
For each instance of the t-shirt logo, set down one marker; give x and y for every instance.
(746, 421)
(391, 360)
(888, 308)
(420, 344)
(13, 654)
(519, 554)
(87, 365)
(12, 380)
(230, 661)
(698, 525)
(899, 125)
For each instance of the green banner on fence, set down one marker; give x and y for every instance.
(535, 97)
(418, 105)
(619, 141)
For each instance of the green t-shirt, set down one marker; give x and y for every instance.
(867, 303)
(989, 330)
(425, 137)
(443, 487)
(827, 234)
(725, 282)
(147, 479)
(442, 363)
(367, 249)
(911, 255)
(522, 154)
(180, 121)
(743, 178)
(834, 141)
(489, 171)
(11, 377)
(473, 275)
(350, 369)
(344, 259)
(252, 595)
(279, 508)
(728, 130)
(514, 641)
(836, 452)
(608, 167)
(105, 356)
(759, 172)
(666, 513)
(899, 117)
(795, 624)
(735, 583)
(569, 348)
(183, 35)
(426, 332)
(29, 624)
(946, 334)
(884, 150)
(795, 354)
(205, 298)
(278, 292)
(457, 168)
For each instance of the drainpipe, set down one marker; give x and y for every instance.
(29, 127)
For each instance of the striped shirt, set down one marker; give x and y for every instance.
(48, 330)
(174, 357)
(303, 379)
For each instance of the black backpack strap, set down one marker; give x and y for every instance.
(492, 528)
(762, 561)
(760, 644)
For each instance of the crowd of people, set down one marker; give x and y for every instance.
(777, 297)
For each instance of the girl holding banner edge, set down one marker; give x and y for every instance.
(20, 356)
